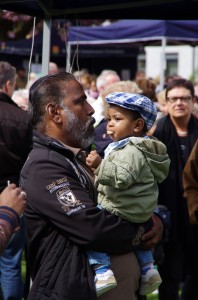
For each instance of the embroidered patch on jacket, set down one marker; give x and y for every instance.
(59, 183)
(68, 200)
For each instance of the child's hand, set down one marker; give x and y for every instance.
(93, 159)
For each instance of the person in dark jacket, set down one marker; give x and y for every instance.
(12, 205)
(178, 131)
(62, 218)
(190, 182)
(15, 144)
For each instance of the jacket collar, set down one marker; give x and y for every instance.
(45, 140)
(6, 98)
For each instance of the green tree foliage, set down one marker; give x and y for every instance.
(17, 26)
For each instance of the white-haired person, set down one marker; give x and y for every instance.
(21, 98)
(53, 68)
(127, 178)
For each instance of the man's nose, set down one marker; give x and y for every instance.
(90, 109)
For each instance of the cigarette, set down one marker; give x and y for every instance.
(8, 182)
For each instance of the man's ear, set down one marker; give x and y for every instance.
(54, 113)
(7, 86)
(139, 125)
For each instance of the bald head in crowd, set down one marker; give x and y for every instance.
(53, 68)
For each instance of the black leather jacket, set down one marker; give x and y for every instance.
(15, 140)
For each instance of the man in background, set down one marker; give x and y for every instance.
(21, 78)
(102, 139)
(53, 68)
(15, 144)
(106, 78)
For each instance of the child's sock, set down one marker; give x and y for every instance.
(145, 269)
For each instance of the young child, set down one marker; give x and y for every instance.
(127, 177)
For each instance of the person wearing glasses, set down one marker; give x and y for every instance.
(178, 130)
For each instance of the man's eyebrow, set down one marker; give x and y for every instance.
(80, 99)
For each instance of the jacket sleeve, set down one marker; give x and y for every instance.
(60, 196)
(190, 183)
(9, 220)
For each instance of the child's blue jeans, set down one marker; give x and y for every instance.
(99, 258)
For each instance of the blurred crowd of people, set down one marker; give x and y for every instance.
(93, 85)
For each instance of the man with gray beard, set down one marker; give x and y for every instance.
(62, 218)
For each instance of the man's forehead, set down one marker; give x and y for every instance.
(69, 86)
(73, 84)
(74, 90)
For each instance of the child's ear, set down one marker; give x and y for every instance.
(139, 125)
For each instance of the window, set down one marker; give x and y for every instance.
(171, 64)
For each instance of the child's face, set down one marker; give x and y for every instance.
(120, 123)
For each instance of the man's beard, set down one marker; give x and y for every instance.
(83, 134)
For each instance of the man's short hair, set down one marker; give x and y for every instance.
(7, 73)
(45, 90)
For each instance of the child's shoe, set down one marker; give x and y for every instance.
(105, 282)
(150, 282)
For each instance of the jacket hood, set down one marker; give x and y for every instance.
(156, 155)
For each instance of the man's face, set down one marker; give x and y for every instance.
(21, 73)
(77, 120)
(180, 102)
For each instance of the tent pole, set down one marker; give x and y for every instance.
(163, 63)
(37, 58)
(193, 62)
(68, 57)
(46, 46)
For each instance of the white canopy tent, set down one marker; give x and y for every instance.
(103, 9)
(139, 32)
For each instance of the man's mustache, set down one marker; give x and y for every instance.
(90, 122)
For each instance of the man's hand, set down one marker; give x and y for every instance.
(152, 238)
(14, 198)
